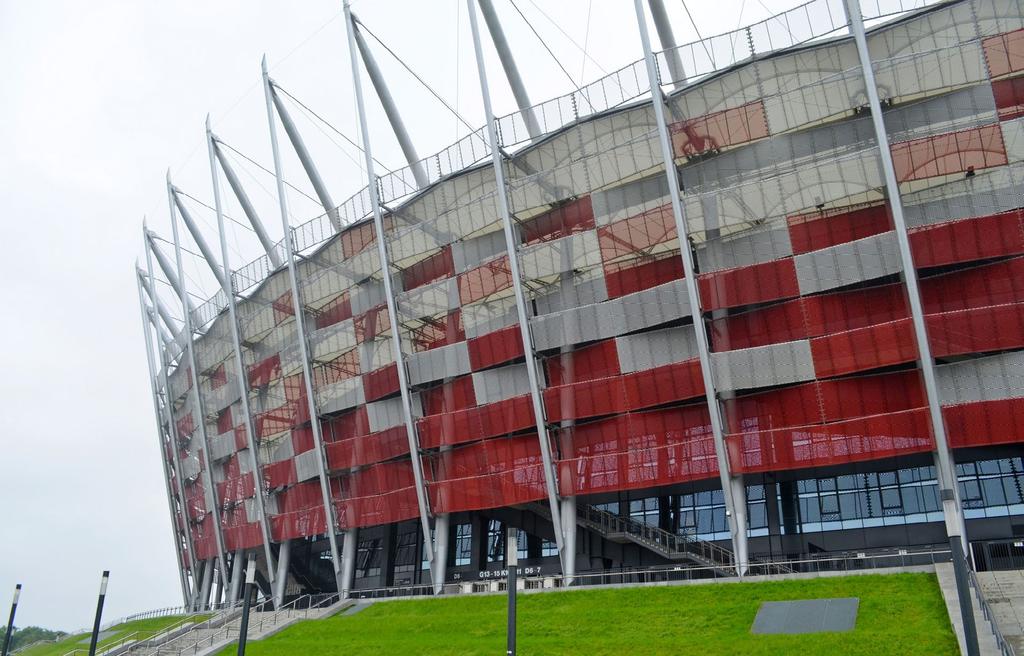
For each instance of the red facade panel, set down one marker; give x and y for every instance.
(635, 275)
(1004, 53)
(757, 283)
(485, 280)
(972, 149)
(495, 348)
(435, 267)
(717, 130)
(574, 216)
(966, 240)
(381, 494)
(1009, 95)
(336, 311)
(864, 349)
(488, 474)
(598, 360)
(855, 440)
(470, 424)
(678, 381)
(368, 449)
(456, 394)
(985, 423)
(380, 383)
(814, 231)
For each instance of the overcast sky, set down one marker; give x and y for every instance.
(99, 99)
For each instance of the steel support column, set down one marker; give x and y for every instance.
(240, 372)
(165, 322)
(663, 26)
(730, 487)
(197, 237)
(243, 200)
(300, 329)
(237, 574)
(168, 268)
(389, 293)
(949, 489)
(348, 552)
(550, 480)
(147, 320)
(508, 63)
(284, 559)
(394, 117)
(301, 151)
(213, 506)
(172, 431)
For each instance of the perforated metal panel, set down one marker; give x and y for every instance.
(763, 366)
(846, 264)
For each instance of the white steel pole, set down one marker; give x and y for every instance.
(197, 409)
(308, 165)
(389, 295)
(508, 63)
(550, 480)
(172, 431)
(167, 268)
(949, 488)
(200, 241)
(236, 343)
(147, 319)
(300, 328)
(247, 208)
(390, 108)
(735, 508)
(663, 26)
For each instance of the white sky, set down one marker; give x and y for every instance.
(99, 98)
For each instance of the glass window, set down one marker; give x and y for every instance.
(405, 552)
(495, 541)
(463, 544)
(368, 558)
(522, 544)
(548, 548)
(424, 563)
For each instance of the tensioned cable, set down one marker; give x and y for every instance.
(328, 124)
(586, 40)
(264, 169)
(569, 38)
(699, 37)
(552, 54)
(214, 209)
(436, 95)
(305, 112)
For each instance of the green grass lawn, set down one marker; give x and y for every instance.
(899, 614)
(143, 629)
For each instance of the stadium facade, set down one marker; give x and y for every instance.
(286, 426)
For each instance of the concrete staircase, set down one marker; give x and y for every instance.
(1004, 592)
(987, 642)
(212, 636)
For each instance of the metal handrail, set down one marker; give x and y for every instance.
(663, 573)
(658, 537)
(986, 610)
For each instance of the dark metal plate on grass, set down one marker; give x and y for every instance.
(806, 616)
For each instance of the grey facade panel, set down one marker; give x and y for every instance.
(982, 379)
(650, 307)
(846, 264)
(468, 253)
(443, 362)
(499, 384)
(763, 366)
(655, 348)
(630, 199)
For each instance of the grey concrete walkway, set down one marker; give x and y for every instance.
(947, 584)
